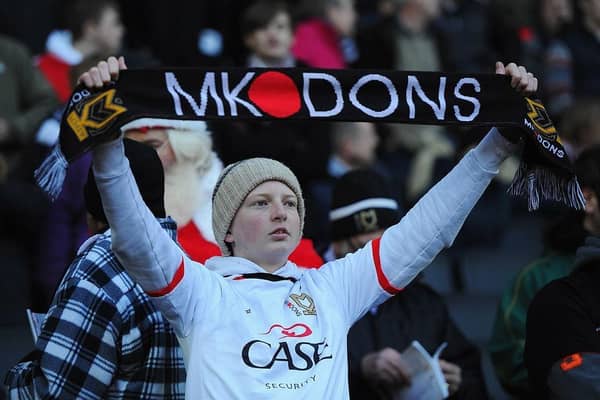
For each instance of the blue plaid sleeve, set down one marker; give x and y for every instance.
(77, 347)
(102, 338)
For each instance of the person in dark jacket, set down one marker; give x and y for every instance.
(563, 320)
(362, 208)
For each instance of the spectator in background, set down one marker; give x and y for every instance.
(580, 126)
(354, 146)
(563, 320)
(64, 227)
(92, 28)
(323, 36)
(370, 12)
(556, 17)
(509, 20)
(562, 237)
(102, 336)
(191, 171)
(543, 47)
(363, 208)
(583, 42)
(25, 100)
(465, 21)
(405, 41)
(267, 33)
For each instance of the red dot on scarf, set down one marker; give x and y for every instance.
(275, 94)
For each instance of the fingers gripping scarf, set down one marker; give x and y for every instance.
(93, 117)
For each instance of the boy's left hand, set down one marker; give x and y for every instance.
(521, 80)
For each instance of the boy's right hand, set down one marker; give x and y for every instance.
(105, 72)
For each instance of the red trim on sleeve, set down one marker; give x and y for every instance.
(171, 286)
(381, 278)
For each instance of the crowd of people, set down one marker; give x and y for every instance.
(282, 259)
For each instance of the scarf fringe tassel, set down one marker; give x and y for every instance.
(51, 174)
(540, 183)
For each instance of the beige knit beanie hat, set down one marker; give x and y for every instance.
(237, 181)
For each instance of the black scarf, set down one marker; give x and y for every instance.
(92, 117)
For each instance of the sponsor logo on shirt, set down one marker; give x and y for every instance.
(292, 349)
(296, 330)
(291, 385)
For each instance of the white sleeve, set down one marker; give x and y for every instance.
(144, 249)
(386, 265)
(434, 222)
(138, 240)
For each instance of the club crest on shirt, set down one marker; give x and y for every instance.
(302, 304)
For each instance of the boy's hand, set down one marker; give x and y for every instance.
(105, 72)
(523, 82)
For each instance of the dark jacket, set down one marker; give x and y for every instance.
(416, 313)
(585, 61)
(564, 318)
(377, 45)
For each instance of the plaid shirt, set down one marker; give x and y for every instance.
(102, 337)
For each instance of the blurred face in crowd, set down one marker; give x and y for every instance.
(94, 226)
(107, 32)
(591, 221)
(590, 10)
(266, 227)
(183, 190)
(556, 13)
(353, 243)
(273, 41)
(159, 140)
(359, 148)
(431, 8)
(342, 16)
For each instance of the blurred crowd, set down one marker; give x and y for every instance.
(43, 53)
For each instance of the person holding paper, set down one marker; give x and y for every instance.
(252, 324)
(363, 207)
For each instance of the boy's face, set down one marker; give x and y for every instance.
(273, 41)
(266, 227)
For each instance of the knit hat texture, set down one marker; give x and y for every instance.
(361, 203)
(237, 181)
(149, 176)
